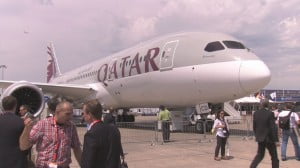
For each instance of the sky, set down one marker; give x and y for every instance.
(85, 30)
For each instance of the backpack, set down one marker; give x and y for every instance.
(284, 121)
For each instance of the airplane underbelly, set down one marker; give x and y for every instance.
(175, 87)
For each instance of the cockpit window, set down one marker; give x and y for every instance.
(214, 46)
(234, 45)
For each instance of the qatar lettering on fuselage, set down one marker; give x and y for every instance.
(137, 65)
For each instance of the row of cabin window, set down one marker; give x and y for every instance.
(83, 76)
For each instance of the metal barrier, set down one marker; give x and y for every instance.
(134, 132)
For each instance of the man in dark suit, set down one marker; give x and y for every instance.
(264, 130)
(11, 127)
(102, 142)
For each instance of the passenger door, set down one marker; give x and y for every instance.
(167, 56)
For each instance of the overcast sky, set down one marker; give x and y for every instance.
(86, 30)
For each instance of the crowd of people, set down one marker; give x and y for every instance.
(269, 124)
(55, 136)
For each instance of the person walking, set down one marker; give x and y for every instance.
(165, 118)
(54, 137)
(265, 134)
(290, 131)
(102, 142)
(222, 133)
(11, 127)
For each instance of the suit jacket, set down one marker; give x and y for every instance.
(109, 119)
(11, 127)
(264, 126)
(102, 147)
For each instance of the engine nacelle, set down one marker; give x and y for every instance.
(27, 93)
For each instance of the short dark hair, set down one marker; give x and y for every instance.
(94, 108)
(162, 107)
(25, 106)
(289, 106)
(264, 103)
(9, 103)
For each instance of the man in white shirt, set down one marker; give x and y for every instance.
(286, 133)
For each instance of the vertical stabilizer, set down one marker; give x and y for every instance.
(53, 70)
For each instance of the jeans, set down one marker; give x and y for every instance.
(285, 138)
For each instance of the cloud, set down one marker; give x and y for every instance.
(139, 28)
(289, 28)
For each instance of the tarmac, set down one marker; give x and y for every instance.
(191, 153)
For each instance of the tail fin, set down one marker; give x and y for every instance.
(53, 70)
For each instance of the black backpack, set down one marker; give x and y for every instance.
(284, 122)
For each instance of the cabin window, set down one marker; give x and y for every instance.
(214, 46)
(234, 45)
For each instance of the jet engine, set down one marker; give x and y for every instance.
(27, 93)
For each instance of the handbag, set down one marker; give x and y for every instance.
(226, 132)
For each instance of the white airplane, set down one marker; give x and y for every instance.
(176, 70)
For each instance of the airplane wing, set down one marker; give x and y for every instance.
(70, 90)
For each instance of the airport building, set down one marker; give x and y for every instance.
(282, 95)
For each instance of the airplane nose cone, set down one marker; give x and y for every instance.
(254, 75)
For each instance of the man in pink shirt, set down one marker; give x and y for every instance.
(54, 137)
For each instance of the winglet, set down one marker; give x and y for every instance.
(53, 70)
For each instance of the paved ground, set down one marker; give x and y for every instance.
(182, 152)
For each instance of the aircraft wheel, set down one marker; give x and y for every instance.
(199, 127)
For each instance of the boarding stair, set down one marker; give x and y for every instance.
(231, 111)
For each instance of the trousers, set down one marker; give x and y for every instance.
(166, 130)
(271, 146)
(221, 142)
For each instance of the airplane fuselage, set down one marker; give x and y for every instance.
(176, 70)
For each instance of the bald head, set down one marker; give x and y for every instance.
(62, 105)
(64, 112)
